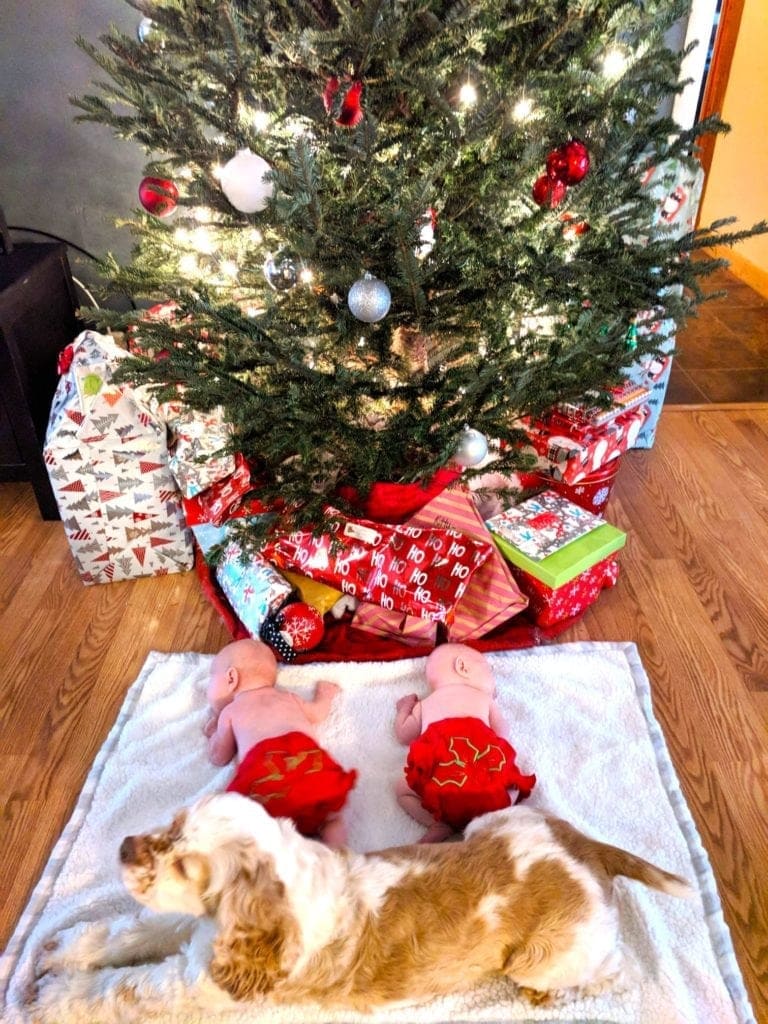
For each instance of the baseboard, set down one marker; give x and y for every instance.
(750, 273)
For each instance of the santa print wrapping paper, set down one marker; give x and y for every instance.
(226, 498)
(548, 606)
(542, 525)
(107, 460)
(491, 598)
(410, 569)
(570, 457)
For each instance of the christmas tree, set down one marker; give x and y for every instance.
(393, 219)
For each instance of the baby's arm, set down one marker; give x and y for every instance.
(222, 745)
(317, 709)
(408, 719)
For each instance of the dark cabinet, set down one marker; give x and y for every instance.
(37, 319)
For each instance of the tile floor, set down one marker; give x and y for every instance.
(722, 352)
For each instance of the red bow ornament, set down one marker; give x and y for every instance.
(351, 111)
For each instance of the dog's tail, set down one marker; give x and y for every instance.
(616, 861)
(611, 861)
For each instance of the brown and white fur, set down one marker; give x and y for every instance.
(524, 895)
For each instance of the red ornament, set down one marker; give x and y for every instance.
(351, 112)
(158, 196)
(568, 163)
(549, 191)
(303, 625)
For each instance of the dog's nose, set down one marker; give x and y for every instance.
(128, 850)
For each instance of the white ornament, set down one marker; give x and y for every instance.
(369, 299)
(244, 182)
(472, 447)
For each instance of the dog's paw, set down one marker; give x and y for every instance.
(76, 948)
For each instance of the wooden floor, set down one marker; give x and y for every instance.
(692, 595)
(722, 352)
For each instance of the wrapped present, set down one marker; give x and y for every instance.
(543, 524)
(225, 499)
(317, 595)
(592, 493)
(654, 371)
(581, 419)
(548, 605)
(569, 560)
(107, 459)
(569, 452)
(196, 441)
(677, 188)
(410, 569)
(491, 598)
(254, 589)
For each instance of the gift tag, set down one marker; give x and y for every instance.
(364, 533)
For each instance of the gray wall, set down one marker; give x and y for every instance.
(57, 176)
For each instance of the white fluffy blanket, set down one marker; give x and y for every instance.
(579, 715)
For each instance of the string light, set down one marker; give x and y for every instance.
(306, 276)
(188, 265)
(523, 109)
(260, 120)
(202, 241)
(614, 63)
(229, 268)
(467, 94)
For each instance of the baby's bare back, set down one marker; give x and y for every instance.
(263, 714)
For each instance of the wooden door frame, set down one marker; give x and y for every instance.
(716, 81)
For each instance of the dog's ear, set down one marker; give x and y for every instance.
(255, 931)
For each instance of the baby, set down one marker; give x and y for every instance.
(459, 765)
(281, 764)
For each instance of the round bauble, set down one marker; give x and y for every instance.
(302, 624)
(158, 196)
(244, 182)
(144, 29)
(569, 163)
(472, 447)
(548, 191)
(281, 272)
(369, 299)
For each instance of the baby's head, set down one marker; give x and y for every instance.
(242, 665)
(452, 664)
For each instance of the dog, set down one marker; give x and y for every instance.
(271, 914)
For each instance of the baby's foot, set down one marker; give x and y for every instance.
(437, 833)
(334, 834)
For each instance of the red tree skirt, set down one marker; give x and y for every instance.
(342, 642)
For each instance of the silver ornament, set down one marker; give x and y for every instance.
(281, 273)
(369, 299)
(472, 447)
(144, 29)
